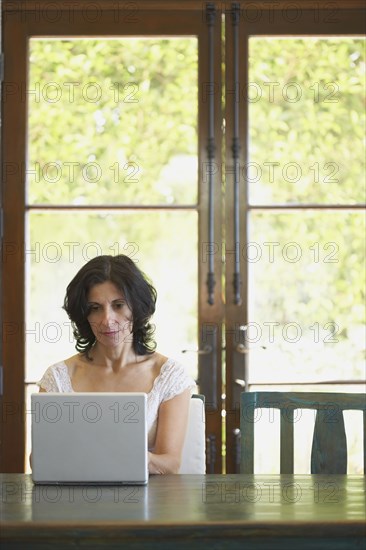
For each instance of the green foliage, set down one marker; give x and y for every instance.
(309, 112)
(117, 120)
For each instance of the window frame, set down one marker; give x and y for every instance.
(24, 19)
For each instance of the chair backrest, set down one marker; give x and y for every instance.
(329, 448)
(194, 449)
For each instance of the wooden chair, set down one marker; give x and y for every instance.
(329, 448)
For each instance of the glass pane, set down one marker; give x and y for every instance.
(113, 121)
(163, 245)
(306, 296)
(306, 120)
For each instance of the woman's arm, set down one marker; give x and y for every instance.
(171, 431)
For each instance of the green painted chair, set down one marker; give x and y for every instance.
(329, 448)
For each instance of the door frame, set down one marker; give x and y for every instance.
(21, 23)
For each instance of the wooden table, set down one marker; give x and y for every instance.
(187, 511)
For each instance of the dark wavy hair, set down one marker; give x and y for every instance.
(138, 291)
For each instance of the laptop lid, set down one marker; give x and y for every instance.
(89, 437)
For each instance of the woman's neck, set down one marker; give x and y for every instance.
(113, 358)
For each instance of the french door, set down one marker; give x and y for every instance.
(105, 142)
(170, 135)
(292, 200)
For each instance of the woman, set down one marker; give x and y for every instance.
(110, 303)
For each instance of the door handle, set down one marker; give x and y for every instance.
(239, 365)
(204, 351)
(207, 365)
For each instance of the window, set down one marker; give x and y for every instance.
(200, 149)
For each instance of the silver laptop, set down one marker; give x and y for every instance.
(89, 438)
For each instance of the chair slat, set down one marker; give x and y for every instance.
(287, 441)
(329, 450)
(247, 439)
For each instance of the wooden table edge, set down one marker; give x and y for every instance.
(354, 528)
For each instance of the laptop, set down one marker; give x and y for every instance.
(89, 438)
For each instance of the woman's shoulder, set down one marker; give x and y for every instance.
(160, 361)
(161, 364)
(152, 362)
(71, 363)
(172, 378)
(60, 366)
(57, 376)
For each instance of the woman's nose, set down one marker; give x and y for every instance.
(107, 316)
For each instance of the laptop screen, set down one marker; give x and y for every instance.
(89, 437)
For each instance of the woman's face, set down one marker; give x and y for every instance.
(109, 317)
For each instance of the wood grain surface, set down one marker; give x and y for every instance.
(181, 511)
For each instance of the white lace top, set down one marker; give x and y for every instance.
(171, 381)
